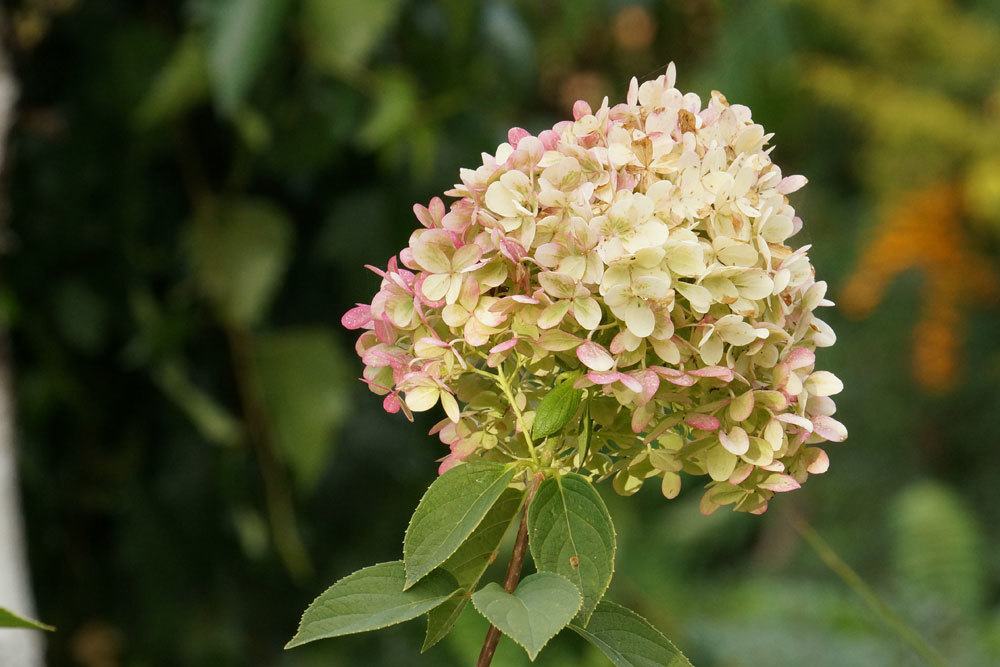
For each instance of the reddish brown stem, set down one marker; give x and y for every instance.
(513, 572)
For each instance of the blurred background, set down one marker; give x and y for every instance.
(193, 187)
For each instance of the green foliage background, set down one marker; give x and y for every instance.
(193, 190)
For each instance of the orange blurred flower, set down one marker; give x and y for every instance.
(924, 232)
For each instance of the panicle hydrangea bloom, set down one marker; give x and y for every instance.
(640, 251)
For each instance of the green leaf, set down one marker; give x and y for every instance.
(571, 534)
(556, 408)
(451, 509)
(239, 251)
(370, 599)
(469, 563)
(937, 549)
(180, 85)
(340, 34)
(584, 439)
(543, 604)
(213, 421)
(628, 640)
(243, 36)
(9, 619)
(394, 108)
(304, 384)
(471, 559)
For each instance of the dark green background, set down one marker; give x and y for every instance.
(194, 188)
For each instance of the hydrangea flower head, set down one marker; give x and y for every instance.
(640, 253)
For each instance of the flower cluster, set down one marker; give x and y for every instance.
(639, 252)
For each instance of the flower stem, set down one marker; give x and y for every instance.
(513, 572)
(504, 385)
(848, 575)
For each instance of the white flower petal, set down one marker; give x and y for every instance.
(587, 312)
(436, 286)
(422, 397)
(823, 383)
(735, 440)
(720, 463)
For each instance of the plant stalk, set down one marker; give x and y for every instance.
(278, 497)
(513, 572)
(850, 577)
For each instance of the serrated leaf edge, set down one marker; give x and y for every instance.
(585, 618)
(430, 643)
(467, 591)
(546, 642)
(293, 644)
(407, 584)
(582, 631)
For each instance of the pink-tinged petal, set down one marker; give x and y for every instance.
(581, 109)
(403, 278)
(423, 215)
(674, 376)
(627, 181)
(702, 422)
(641, 418)
(434, 342)
(682, 381)
(718, 372)
(617, 345)
(512, 250)
(780, 483)
(630, 383)
(817, 461)
(447, 430)
(436, 207)
(359, 317)
(447, 463)
(790, 184)
(515, 134)
(739, 475)
(522, 298)
(504, 346)
(378, 357)
(829, 428)
(549, 139)
(406, 257)
(385, 331)
(529, 151)
(377, 271)
(603, 377)
(391, 404)
(366, 340)
(797, 420)
(759, 510)
(796, 225)
(650, 384)
(800, 357)
(594, 357)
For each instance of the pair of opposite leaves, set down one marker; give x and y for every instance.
(454, 535)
